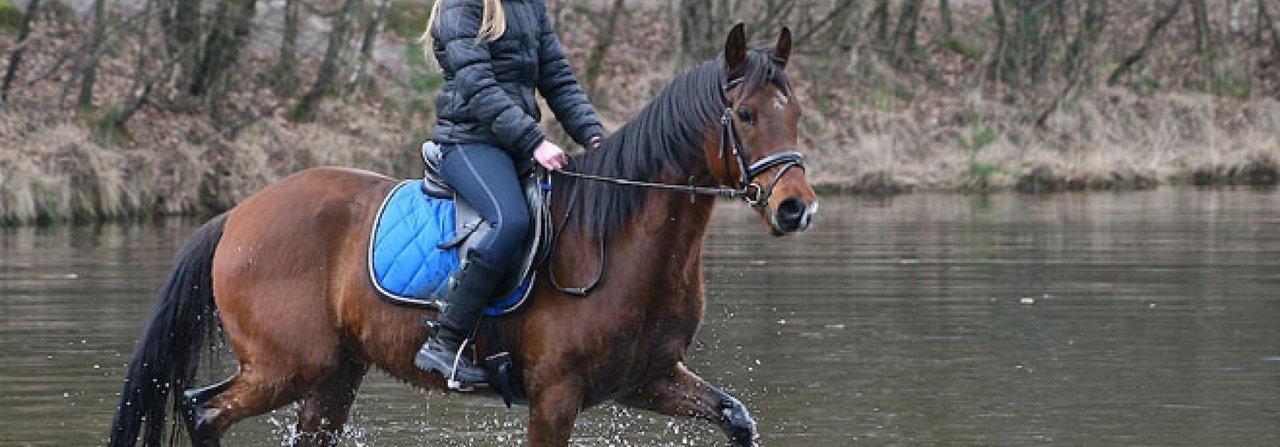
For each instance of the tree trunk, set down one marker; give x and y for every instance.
(595, 60)
(1204, 38)
(140, 90)
(880, 19)
(285, 80)
(372, 29)
(1235, 18)
(1092, 25)
(305, 110)
(181, 20)
(227, 35)
(1053, 34)
(1259, 22)
(904, 37)
(1141, 52)
(697, 39)
(994, 70)
(90, 71)
(15, 59)
(1271, 28)
(944, 10)
(1080, 56)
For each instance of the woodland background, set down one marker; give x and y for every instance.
(120, 108)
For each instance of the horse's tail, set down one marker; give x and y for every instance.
(165, 360)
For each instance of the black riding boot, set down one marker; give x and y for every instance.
(467, 295)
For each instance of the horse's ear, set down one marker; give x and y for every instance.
(735, 49)
(782, 50)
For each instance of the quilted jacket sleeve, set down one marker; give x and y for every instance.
(456, 29)
(561, 89)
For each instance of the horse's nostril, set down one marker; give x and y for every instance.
(790, 211)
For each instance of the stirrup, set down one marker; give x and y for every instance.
(452, 381)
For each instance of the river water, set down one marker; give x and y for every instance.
(1145, 318)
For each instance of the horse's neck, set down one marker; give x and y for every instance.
(668, 237)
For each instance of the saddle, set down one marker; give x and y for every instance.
(423, 230)
(470, 228)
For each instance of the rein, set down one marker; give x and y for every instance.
(689, 188)
(748, 190)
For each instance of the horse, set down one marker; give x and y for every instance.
(282, 274)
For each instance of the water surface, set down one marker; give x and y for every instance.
(1146, 318)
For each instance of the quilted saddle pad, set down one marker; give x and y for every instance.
(406, 264)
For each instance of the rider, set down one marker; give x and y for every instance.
(493, 54)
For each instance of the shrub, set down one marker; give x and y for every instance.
(10, 18)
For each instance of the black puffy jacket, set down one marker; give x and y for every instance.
(488, 90)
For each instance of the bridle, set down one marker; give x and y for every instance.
(730, 144)
(731, 151)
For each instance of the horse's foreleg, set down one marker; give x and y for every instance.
(325, 409)
(552, 410)
(682, 393)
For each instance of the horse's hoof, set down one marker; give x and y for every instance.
(739, 425)
(198, 420)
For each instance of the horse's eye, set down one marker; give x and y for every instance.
(746, 117)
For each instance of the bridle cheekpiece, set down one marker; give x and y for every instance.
(730, 144)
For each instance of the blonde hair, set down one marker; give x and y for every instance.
(493, 23)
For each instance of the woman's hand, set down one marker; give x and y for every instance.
(550, 156)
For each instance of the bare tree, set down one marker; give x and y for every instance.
(697, 31)
(880, 19)
(944, 13)
(1271, 27)
(905, 34)
(604, 39)
(15, 59)
(285, 81)
(1204, 37)
(1147, 42)
(995, 68)
(181, 21)
(372, 30)
(96, 45)
(305, 109)
(228, 33)
(1080, 56)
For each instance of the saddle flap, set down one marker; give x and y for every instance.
(470, 229)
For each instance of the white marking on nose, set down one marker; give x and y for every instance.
(807, 219)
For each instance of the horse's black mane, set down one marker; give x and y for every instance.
(663, 142)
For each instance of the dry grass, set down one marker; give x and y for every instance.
(63, 172)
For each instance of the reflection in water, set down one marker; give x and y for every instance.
(1097, 319)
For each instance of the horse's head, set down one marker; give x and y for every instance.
(758, 140)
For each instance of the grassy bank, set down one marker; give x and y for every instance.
(934, 123)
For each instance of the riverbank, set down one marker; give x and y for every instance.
(868, 128)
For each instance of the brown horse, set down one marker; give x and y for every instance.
(285, 273)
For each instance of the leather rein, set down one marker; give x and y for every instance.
(730, 145)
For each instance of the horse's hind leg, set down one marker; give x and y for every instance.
(326, 408)
(193, 410)
(682, 393)
(251, 392)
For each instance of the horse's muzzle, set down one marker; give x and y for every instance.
(792, 216)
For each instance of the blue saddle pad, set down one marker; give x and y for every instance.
(405, 262)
